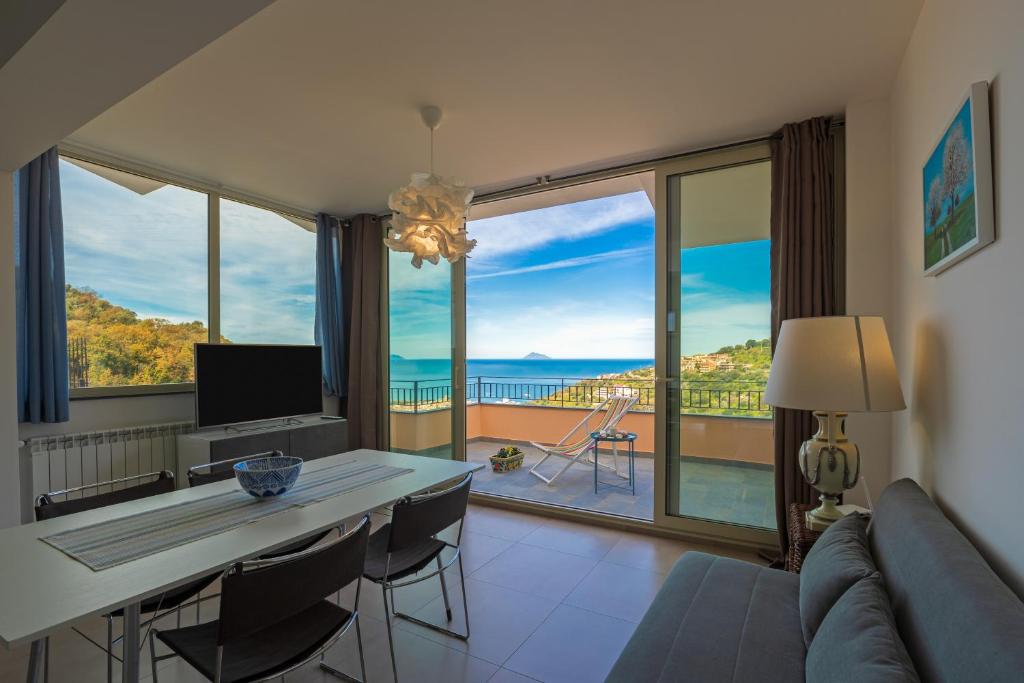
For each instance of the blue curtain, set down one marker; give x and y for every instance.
(329, 323)
(39, 284)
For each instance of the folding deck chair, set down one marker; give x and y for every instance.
(575, 445)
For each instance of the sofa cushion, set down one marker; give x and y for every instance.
(718, 619)
(858, 641)
(958, 620)
(837, 560)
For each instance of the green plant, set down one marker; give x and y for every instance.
(508, 452)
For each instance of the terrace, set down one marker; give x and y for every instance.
(724, 465)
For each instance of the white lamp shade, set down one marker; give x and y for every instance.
(834, 364)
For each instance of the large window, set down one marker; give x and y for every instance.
(138, 270)
(135, 256)
(267, 276)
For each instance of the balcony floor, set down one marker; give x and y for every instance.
(722, 490)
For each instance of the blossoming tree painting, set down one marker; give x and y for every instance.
(958, 187)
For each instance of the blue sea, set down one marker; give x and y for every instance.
(518, 369)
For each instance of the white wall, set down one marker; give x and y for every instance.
(868, 271)
(958, 337)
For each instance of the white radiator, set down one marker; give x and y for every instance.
(69, 460)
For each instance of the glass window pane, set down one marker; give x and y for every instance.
(267, 276)
(724, 472)
(136, 272)
(420, 328)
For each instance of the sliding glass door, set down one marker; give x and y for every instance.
(714, 317)
(546, 293)
(425, 362)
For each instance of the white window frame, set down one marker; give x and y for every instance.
(214, 194)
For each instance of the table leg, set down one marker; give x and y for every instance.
(130, 644)
(37, 661)
(595, 466)
(632, 466)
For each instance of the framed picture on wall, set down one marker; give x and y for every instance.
(958, 207)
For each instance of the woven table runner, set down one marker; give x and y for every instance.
(114, 542)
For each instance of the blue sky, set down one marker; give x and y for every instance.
(577, 281)
(149, 253)
(570, 281)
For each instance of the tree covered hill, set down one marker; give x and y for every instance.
(111, 345)
(730, 381)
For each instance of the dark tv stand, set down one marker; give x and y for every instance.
(260, 426)
(308, 438)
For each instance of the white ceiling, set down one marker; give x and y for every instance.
(313, 103)
(62, 62)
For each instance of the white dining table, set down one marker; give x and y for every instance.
(42, 590)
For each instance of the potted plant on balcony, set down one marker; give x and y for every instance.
(507, 459)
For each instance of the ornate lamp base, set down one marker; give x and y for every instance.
(831, 463)
(822, 516)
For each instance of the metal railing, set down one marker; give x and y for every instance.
(709, 397)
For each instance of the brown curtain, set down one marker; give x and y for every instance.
(803, 266)
(362, 254)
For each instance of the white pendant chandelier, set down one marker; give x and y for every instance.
(429, 214)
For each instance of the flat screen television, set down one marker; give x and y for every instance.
(251, 382)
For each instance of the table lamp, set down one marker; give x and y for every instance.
(833, 366)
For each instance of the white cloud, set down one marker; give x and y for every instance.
(517, 232)
(562, 264)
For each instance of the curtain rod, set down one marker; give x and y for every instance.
(623, 169)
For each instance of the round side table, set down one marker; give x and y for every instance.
(627, 438)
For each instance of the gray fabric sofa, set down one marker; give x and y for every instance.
(717, 619)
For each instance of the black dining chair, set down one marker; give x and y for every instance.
(68, 501)
(275, 615)
(409, 543)
(221, 470)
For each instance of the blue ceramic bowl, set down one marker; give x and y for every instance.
(270, 476)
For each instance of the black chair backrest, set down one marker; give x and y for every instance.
(273, 590)
(413, 520)
(198, 475)
(47, 508)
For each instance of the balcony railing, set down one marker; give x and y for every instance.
(745, 398)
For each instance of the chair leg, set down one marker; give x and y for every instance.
(359, 644)
(152, 654)
(110, 649)
(391, 638)
(338, 673)
(444, 590)
(435, 627)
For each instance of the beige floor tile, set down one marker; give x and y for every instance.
(537, 571)
(477, 549)
(511, 526)
(501, 620)
(575, 539)
(647, 552)
(617, 591)
(419, 659)
(506, 676)
(572, 646)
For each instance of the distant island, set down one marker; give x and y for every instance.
(533, 355)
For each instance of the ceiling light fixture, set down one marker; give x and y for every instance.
(429, 214)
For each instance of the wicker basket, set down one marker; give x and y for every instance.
(506, 463)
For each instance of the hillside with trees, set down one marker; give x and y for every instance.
(730, 381)
(110, 345)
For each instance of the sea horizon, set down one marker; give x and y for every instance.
(438, 369)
